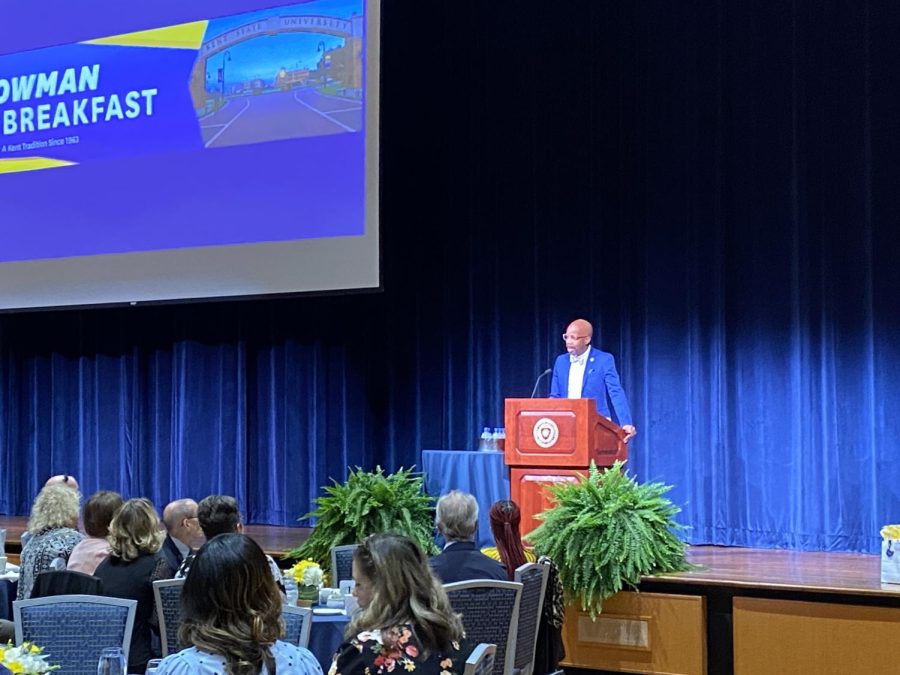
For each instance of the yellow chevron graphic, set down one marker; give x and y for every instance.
(182, 36)
(31, 164)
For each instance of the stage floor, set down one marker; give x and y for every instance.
(276, 541)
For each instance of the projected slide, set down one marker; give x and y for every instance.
(203, 136)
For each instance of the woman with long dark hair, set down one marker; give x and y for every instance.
(505, 519)
(405, 622)
(232, 616)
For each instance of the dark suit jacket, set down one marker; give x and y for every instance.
(171, 553)
(600, 378)
(461, 561)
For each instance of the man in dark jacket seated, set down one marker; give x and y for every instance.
(456, 518)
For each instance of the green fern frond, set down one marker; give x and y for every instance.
(607, 531)
(369, 502)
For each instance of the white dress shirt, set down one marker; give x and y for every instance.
(576, 373)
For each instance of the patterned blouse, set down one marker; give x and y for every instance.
(396, 650)
(42, 552)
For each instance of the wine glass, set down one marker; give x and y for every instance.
(112, 662)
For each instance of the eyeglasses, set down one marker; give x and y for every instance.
(566, 337)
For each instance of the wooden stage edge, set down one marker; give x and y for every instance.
(276, 541)
(817, 572)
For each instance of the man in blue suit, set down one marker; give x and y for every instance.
(586, 372)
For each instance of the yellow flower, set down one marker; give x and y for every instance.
(34, 649)
(409, 665)
(15, 667)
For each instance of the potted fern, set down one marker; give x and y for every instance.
(607, 531)
(369, 502)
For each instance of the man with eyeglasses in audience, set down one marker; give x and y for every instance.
(220, 514)
(587, 372)
(184, 535)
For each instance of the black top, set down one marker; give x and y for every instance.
(396, 650)
(461, 561)
(133, 580)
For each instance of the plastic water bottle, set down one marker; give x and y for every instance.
(485, 443)
(500, 439)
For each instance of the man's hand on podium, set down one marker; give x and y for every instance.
(630, 431)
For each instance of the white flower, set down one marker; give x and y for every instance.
(312, 576)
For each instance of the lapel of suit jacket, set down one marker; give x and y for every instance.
(589, 367)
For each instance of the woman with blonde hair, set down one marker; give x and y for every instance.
(134, 563)
(232, 616)
(53, 523)
(405, 621)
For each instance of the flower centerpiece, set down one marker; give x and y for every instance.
(27, 659)
(309, 578)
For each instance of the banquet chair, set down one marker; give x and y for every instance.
(533, 578)
(490, 614)
(167, 597)
(297, 624)
(74, 629)
(342, 563)
(65, 582)
(481, 660)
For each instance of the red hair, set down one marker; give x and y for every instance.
(505, 518)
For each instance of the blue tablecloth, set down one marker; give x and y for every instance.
(325, 636)
(7, 595)
(482, 474)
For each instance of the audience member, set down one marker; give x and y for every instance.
(184, 535)
(405, 621)
(505, 519)
(456, 518)
(232, 616)
(220, 514)
(62, 479)
(54, 517)
(97, 514)
(134, 563)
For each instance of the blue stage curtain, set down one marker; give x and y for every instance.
(714, 184)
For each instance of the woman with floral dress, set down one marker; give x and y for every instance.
(405, 623)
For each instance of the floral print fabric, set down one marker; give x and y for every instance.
(395, 650)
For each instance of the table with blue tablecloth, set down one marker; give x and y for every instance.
(8, 591)
(482, 474)
(325, 636)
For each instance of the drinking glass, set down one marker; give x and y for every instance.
(112, 662)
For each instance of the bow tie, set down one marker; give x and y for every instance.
(580, 360)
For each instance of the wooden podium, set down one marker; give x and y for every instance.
(549, 440)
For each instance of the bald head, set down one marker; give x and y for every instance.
(578, 337)
(62, 479)
(180, 518)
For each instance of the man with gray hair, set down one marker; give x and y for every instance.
(456, 518)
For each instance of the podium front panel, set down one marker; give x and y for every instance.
(528, 489)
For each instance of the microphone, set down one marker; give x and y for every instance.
(538, 380)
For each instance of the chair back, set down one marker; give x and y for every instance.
(75, 629)
(65, 582)
(481, 660)
(490, 614)
(297, 624)
(341, 563)
(533, 578)
(167, 596)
